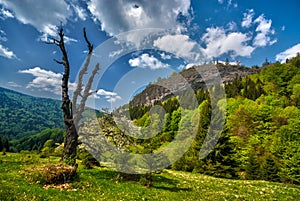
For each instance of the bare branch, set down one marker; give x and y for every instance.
(90, 46)
(54, 41)
(59, 62)
(86, 94)
(82, 72)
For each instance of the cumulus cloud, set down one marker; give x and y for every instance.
(42, 15)
(290, 52)
(219, 42)
(5, 52)
(111, 97)
(122, 15)
(264, 30)
(46, 80)
(49, 81)
(247, 19)
(179, 45)
(147, 61)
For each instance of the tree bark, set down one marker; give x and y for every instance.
(72, 114)
(71, 138)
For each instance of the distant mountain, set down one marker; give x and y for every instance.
(23, 115)
(178, 82)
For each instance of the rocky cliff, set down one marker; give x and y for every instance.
(196, 77)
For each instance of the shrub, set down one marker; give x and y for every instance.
(52, 174)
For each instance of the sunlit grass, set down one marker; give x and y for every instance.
(101, 184)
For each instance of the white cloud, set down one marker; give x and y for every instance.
(81, 13)
(122, 15)
(43, 15)
(264, 30)
(232, 26)
(229, 3)
(179, 45)
(6, 14)
(219, 42)
(115, 53)
(229, 62)
(291, 52)
(103, 92)
(49, 81)
(111, 97)
(69, 40)
(13, 84)
(3, 36)
(147, 61)
(165, 56)
(46, 80)
(190, 65)
(5, 52)
(247, 19)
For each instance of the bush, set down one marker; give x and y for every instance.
(52, 174)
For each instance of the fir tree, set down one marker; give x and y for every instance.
(269, 170)
(252, 167)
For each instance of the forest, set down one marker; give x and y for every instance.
(259, 141)
(23, 115)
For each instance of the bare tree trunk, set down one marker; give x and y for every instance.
(72, 114)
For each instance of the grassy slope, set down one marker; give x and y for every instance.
(100, 184)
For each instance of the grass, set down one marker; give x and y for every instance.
(101, 184)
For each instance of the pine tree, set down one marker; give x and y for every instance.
(269, 170)
(252, 167)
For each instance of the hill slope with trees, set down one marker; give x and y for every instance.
(261, 135)
(23, 115)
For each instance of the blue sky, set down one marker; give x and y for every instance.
(137, 41)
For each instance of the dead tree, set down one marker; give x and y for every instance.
(72, 110)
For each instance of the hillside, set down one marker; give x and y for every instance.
(259, 139)
(164, 88)
(23, 115)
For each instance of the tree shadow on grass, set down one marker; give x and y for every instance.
(159, 181)
(164, 183)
